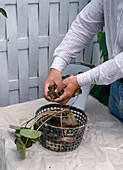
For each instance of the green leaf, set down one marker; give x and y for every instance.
(17, 133)
(27, 141)
(36, 140)
(102, 41)
(15, 127)
(20, 147)
(103, 45)
(30, 133)
(3, 12)
(99, 35)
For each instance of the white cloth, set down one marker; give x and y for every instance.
(88, 23)
(101, 147)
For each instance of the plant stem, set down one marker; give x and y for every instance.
(28, 121)
(44, 118)
(26, 141)
(73, 102)
(45, 121)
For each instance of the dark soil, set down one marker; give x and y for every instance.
(68, 119)
(52, 93)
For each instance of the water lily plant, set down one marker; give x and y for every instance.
(26, 136)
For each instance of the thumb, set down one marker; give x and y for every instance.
(61, 86)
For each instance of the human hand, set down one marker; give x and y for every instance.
(70, 85)
(54, 77)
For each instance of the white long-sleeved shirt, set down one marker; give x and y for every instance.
(87, 24)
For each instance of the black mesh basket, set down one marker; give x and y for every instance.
(51, 133)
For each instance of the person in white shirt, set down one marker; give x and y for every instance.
(87, 24)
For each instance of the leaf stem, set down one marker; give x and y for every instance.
(26, 142)
(28, 121)
(45, 121)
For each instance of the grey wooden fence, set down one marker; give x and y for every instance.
(28, 37)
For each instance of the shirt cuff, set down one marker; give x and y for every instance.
(84, 78)
(59, 64)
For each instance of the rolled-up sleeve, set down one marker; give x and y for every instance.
(88, 23)
(106, 73)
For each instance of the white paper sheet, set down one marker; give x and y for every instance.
(101, 147)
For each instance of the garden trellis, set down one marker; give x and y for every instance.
(28, 37)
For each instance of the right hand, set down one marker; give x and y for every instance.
(54, 77)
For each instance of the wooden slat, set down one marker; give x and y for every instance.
(33, 93)
(43, 17)
(34, 29)
(43, 63)
(54, 1)
(12, 49)
(33, 45)
(23, 43)
(82, 4)
(54, 41)
(12, 42)
(3, 45)
(12, 2)
(22, 11)
(23, 76)
(63, 27)
(73, 11)
(33, 40)
(13, 97)
(33, 2)
(43, 41)
(2, 21)
(4, 92)
(53, 30)
(13, 85)
(33, 82)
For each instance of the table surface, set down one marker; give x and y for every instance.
(101, 147)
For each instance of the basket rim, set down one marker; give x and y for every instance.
(63, 106)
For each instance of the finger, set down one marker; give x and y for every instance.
(63, 99)
(45, 92)
(60, 86)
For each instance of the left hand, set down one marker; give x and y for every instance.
(70, 85)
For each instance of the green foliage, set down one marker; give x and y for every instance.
(3, 12)
(25, 137)
(30, 133)
(15, 127)
(20, 147)
(102, 41)
(101, 92)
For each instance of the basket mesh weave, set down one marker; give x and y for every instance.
(51, 133)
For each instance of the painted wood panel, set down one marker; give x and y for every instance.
(64, 16)
(12, 52)
(28, 38)
(4, 91)
(33, 46)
